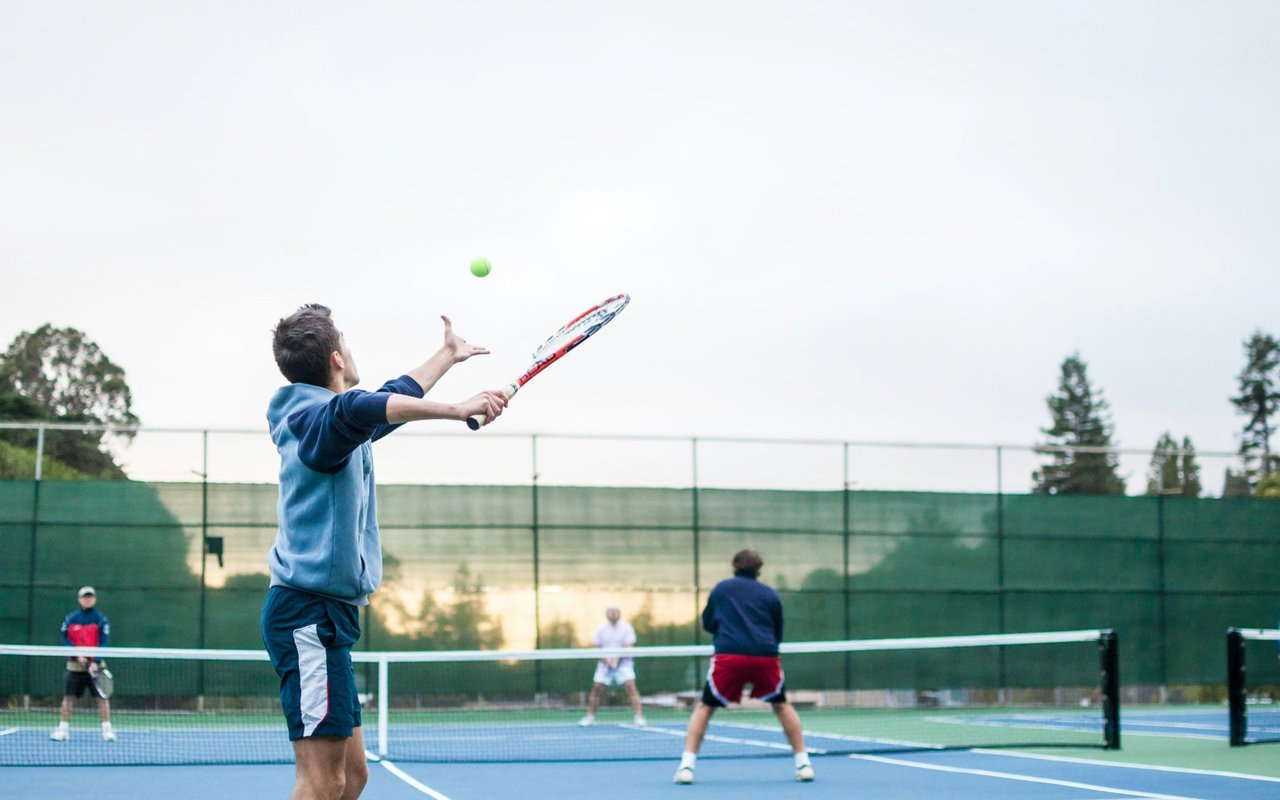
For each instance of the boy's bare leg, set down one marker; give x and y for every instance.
(321, 768)
(357, 767)
(634, 694)
(790, 725)
(698, 722)
(597, 691)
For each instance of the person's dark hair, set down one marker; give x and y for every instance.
(747, 563)
(302, 343)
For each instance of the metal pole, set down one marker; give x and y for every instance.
(845, 595)
(1237, 687)
(1000, 579)
(1109, 650)
(537, 594)
(1161, 609)
(204, 537)
(39, 452)
(384, 703)
(204, 558)
(697, 552)
(31, 553)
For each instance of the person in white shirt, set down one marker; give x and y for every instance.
(614, 671)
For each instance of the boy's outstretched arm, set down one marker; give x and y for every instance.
(454, 350)
(403, 408)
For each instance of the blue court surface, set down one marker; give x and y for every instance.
(955, 775)
(976, 774)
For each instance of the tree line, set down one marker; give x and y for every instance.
(59, 374)
(1080, 438)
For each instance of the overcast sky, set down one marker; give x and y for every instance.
(847, 220)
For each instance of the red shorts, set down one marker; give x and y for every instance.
(730, 672)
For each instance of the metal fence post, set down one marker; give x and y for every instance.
(697, 550)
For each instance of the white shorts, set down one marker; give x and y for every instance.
(617, 676)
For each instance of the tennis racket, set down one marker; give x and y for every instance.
(103, 681)
(575, 332)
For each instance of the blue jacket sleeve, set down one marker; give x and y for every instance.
(328, 434)
(104, 631)
(65, 623)
(402, 385)
(709, 614)
(777, 617)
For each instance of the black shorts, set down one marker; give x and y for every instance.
(78, 683)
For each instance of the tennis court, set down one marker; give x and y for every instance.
(1034, 742)
(975, 774)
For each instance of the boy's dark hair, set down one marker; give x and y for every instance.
(302, 343)
(747, 563)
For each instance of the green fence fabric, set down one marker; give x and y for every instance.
(519, 566)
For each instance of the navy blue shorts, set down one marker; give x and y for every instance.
(309, 639)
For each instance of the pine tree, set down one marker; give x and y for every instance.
(1081, 418)
(1172, 472)
(1259, 400)
(1191, 486)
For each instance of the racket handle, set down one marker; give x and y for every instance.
(476, 420)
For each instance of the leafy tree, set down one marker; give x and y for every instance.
(559, 633)
(1269, 487)
(59, 374)
(1171, 472)
(1081, 418)
(1259, 400)
(464, 625)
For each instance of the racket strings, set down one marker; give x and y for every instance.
(582, 327)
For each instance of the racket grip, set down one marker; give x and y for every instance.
(475, 421)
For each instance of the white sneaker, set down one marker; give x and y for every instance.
(587, 721)
(60, 734)
(639, 721)
(108, 735)
(684, 775)
(804, 773)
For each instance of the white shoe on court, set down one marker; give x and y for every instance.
(804, 772)
(587, 721)
(108, 735)
(60, 734)
(639, 721)
(684, 775)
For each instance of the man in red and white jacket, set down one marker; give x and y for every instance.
(84, 627)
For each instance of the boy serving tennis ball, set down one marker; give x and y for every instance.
(327, 557)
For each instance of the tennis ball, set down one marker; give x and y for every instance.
(480, 267)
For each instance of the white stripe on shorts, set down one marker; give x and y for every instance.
(313, 670)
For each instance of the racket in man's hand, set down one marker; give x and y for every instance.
(575, 332)
(103, 681)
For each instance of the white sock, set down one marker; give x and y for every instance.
(106, 726)
(689, 760)
(64, 726)
(801, 759)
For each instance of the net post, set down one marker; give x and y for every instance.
(384, 702)
(1237, 688)
(1109, 653)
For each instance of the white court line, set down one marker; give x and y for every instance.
(1024, 778)
(406, 777)
(8, 731)
(711, 737)
(1128, 765)
(837, 736)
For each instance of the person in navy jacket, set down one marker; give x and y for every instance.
(327, 556)
(84, 627)
(745, 618)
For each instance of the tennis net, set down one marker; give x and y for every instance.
(859, 696)
(1253, 693)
